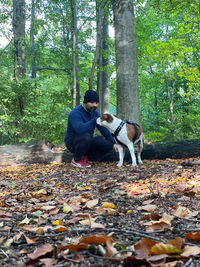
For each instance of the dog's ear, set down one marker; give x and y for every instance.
(107, 117)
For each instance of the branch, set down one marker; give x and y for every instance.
(50, 68)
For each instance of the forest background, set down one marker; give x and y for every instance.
(52, 47)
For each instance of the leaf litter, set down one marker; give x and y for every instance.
(58, 215)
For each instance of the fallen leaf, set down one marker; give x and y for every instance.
(142, 247)
(67, 209)
(91, 203)
(96, 239)
(41, 251)
(149, 207)
(109, 205)
(60, 228)
(181, 211)
(29, 240)
(190, 251)
(162, 248)
(25, 221)
(111, 252)
(192, 236)
(48, 262)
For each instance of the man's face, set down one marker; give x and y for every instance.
(91, 106)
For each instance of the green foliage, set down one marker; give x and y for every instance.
(168, 45)
(168, 64)
(46, 107)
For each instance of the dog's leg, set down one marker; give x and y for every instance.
(140, 148)
(132, 152)
(121, 155)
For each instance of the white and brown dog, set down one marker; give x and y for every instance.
(126, 134)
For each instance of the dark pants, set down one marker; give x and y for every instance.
(93, 147)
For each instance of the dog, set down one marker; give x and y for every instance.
(126, 134)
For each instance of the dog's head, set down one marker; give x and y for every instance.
(105, 120)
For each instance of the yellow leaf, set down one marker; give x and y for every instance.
(41, 191)
(129, 212)
(57, 222)
(109, 205)
(161, 248)
(25, 221)
(67, 209)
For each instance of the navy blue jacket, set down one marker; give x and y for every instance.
(80, 121)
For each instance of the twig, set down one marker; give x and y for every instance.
(129, 232)
(4, 252)
(188, 219)
(188, 262)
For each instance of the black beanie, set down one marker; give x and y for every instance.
(91, 96)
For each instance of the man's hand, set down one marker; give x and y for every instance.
(115, 148)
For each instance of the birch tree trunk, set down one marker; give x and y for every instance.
(19, 45)
(126, 61)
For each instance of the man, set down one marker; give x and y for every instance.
(80, 129)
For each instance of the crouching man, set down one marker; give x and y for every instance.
(79, 138)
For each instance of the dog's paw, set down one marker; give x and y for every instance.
(140, 162)
(119, 164)
(134, 164)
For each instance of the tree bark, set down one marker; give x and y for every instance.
(46, 152)
(105, 62)
(74, 44)
(126, 61)
(98, 42)
(19, 46)
(32, 41)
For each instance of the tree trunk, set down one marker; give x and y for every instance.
(19, 45)
(73, 26)
(32, 41)
(105, 62)
(46, 152)
(98, 42)
(99, 64)
(126, 61)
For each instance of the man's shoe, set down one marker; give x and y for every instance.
(80, 163)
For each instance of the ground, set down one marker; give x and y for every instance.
(59, 215)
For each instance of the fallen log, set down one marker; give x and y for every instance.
(46, 152)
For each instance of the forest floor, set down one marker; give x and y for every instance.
(59, 215)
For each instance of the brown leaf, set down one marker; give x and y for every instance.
(91, 203)
(60, 228)
(96, 239)
(177, 242)
(181, 211)
(192, 236)
(29, 240)
(74, 247)
(49, 262)
(77, 257)
(149, 207)
(190, 251)
(157, 227)
(41, 251)
(143, 246)
(111, 252)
